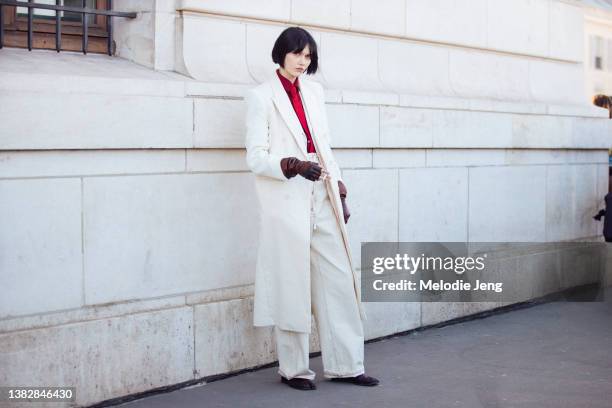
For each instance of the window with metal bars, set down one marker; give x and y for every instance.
(70, 25)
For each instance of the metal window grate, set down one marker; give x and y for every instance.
(84, 11)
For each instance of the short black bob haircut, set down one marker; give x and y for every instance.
(295, 39)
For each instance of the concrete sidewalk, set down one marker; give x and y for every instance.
(556, 354)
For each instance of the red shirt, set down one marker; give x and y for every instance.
(294, 96)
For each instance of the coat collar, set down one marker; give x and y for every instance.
(287, 84)
(281, 100)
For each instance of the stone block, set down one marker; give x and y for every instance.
(219, 122)
(104, 358)
(348, 61)
(40, 121)
(40, 163)
(566, 28)
(540, 131)
(40, 246)
(353, 158)
(226, 340)
(273, 10)
(370, 98)
(387, 17)
(465, 157)
(148, 236)
(165, 41)
(213, 50)
(556, 82)
(477, 74)
(353, 125)
(582, 266)
(260, 40)
(216, 160)
(507, 204)
(571, 201)
(519, 26)
(537, 156)
(135, 38)
(543, 273)
(464, 129)
(385, 318)
(415, 69)
(336, 14)
(591, 133)
(398, 158)
(372, 201)
(406, 127)
(462, 22)
(433, 205)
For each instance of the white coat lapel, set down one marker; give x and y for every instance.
(311, 108)
(281, 100)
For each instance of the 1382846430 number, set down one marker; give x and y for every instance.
(37, 393)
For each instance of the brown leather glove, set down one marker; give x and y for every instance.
(292, 166)
(345, 209)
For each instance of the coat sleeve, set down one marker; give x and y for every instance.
(258, 157)
(321, 97)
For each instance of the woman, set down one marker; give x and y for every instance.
(304, 263)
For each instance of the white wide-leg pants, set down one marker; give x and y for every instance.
(333, 302)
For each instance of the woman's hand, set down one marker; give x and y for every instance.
(345, 209)
(292, 166)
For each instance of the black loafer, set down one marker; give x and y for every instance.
(299, 383)
(362, 379)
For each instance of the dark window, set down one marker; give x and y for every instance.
(16, 27)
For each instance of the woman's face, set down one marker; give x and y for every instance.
(297, 63)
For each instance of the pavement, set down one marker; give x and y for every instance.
(556, 354)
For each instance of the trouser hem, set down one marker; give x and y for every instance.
(328, 374)
(308, 376)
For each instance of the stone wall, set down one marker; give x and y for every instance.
(129, 230)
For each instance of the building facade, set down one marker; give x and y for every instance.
(598, 46)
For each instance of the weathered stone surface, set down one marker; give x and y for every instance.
(103, 358)
(41, 266)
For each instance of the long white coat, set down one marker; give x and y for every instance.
(282, 280)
